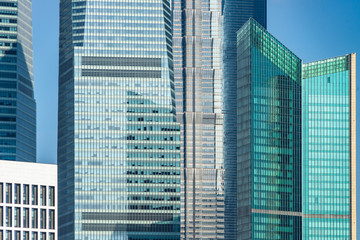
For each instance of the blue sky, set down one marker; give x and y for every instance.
(312, 29)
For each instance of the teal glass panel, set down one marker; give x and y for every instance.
(269, 136)
(326, 149)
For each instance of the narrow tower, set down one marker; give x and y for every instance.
(235, 14)
(198, 84)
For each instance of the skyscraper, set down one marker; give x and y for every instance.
(268, 137)
(17, 104)
(118, 139)
(329, 148)
(235, 14)
(201, 30)
(198, 83)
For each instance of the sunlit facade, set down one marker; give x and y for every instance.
(329, 148)
(268, 137)
(198, 83)
(28, 201)
(118, 139)
(17, 104)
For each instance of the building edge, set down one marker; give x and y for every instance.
(353, 233)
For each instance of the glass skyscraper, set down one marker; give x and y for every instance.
(329, 148)
(268, 137)
(235, 14)
(118, 138)
(17, 104)
(205, 76)
(198, 83)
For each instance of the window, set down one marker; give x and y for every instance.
(8, 235)
(43, 196)
(34, 236)
(43, 219)
(34, 219)
(52, 219)
(8, 217)
(1, 218)
(17, 235)
(51, 196)
(1, 193)
(26, 218)
(51, 236)
(17, 194)
(17, 217)
(26, 194)
(43, 236)
(34, 195)
(8, 193)
(26, 236)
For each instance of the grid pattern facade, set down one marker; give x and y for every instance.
(198, 82)
(17, 104)
(327, 147)
(119, 149)
(235, 14)
(27, 212)
(268, 137)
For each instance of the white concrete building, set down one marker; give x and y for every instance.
(28, 201)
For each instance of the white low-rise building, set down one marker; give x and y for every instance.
(28, 201)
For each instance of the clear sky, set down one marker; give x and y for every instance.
(312, 29)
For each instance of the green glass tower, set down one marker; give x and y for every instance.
(118, 139)
(268, 137)
(329, 148)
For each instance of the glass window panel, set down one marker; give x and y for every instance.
(43, 219)
(52, 196)
(17, 217)
(52, 219)
(34, 195)
(34, 218)
(43, 196)
(26, 236)
(1, 217)
(17, 194)
(1, 192)
(26, 194)
(34, 236)
(8, 193)
(8, 216)
(26, 218)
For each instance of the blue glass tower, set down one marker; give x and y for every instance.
(118, 139)
(235, 14)
(17, 104)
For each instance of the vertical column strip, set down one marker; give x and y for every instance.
(353, 145)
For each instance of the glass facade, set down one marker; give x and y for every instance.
(198, 83)
(235, 14)
(327, 148)
(17, 104)
(118, 138)
(268, 137)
